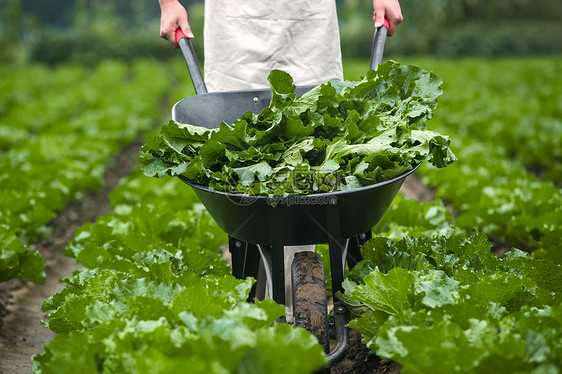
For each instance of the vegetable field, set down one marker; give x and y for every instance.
(469, 281)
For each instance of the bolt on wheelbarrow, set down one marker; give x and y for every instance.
(259, 227)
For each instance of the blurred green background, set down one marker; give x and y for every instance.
(87, 31)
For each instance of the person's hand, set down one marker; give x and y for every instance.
(389, 9)
(172, 17)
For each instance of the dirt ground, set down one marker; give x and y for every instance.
(21, 333)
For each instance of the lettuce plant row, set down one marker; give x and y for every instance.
(434, 298)
(156, 296)
(506, 124)
(63, 125)
(447, 305)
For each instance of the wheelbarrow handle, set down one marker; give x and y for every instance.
(197, 78)
(378, 44)
(191, 61)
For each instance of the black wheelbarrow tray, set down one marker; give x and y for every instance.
(260, 227)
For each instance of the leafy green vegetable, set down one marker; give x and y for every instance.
(505, 120)
(16, 261)
(225, 345)
(59, 128)
(156, 296)
(407, 217)
(446, 305)
(337, 136)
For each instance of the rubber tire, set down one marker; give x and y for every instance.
(310, 302)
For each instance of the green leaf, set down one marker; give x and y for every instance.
(437, 287)
(300, 352)
(282, 88)
(67, 354)
(293, 156)
(179, 135)
(248, 174)
(414, 347)
(17, 261)
(387, 292)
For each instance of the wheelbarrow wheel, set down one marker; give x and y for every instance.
(310, 302)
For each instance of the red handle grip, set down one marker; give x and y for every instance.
(180, 35)
(385, 23)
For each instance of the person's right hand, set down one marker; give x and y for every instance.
(172, 17)
(389, 9)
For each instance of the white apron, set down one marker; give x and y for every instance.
(244, 40)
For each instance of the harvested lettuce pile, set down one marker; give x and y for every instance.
(338, 136)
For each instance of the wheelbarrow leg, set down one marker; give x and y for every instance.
(338, 249)
(264, 282)
(245, 261)
(353, 252)
(278, 272)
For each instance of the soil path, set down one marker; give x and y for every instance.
(21, 333)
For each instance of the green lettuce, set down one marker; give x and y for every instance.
(448, 305)
(156, 296)
(17, 261)
(337, 136)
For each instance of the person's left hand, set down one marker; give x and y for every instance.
(389, 9)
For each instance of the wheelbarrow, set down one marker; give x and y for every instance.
(259, 227)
